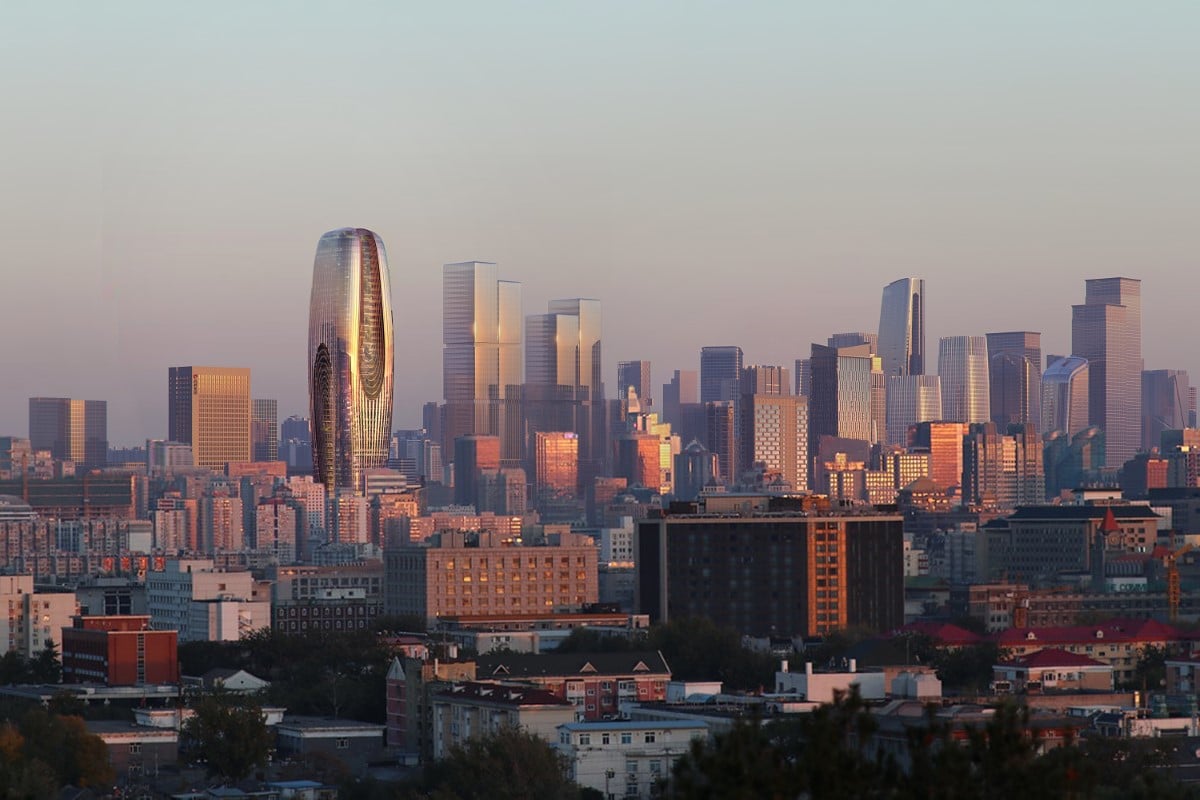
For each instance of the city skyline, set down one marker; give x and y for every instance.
(1035, 172)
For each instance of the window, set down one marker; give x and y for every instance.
(605, 738)
(656, 767)
(626, 738)
(135, 749)
(631, 766)
(585, 738)
(650, 737)
(343, 744)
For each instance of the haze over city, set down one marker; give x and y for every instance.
(713, 178)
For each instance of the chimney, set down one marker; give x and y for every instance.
(854, 665)
(808, 668)
(783, 665)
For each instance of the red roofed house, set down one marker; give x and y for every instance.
(1118, 643)
(944, 634)
(1054, 669)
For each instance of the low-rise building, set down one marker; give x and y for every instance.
(1051, 670)
(626, 759)
(356, 744)
(472, 709)
(1118, 642)
(134, 750)
(596, 684)
(203, 603)
(119, 651)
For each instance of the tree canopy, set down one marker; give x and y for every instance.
(229, 734)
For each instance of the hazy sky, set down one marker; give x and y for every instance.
(715, 173)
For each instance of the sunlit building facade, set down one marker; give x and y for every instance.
(963, 368)
(350, 358)
(209, 408)
(911, 399)
(72, 430)
(1065, 396)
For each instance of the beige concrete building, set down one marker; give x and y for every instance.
(483, 573)
(470, 710)
(32, 620)
(209, 408)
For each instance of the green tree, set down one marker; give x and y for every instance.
(510, 765)
(46, 666)
(1150, 673)
(64, 745)
(231, 735)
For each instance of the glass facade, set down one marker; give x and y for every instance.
(966, 389)
(1107, 331)
(209, 408)
(902, 327)
(1016, 377)
(350, 365)
(72, 430)
(911, 399)
(1065, 396)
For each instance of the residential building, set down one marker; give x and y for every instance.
(487, 572)
(626, 759)
(34, 620)
(354, 744)
(205, 604)
(596, 684)
(1053, 670)
(475, 709)
(807, 572)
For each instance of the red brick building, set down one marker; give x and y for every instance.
(119, 651)
(595, 683)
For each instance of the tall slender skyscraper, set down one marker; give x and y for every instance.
(1107, 331)
(1015, 374)
(350, 358)
(264, 430)
(72, 430)
(1065, 396)
(911, 399)
(481, 359)
(209, 408)
(902, 327)
(963, 368)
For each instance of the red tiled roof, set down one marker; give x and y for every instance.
(1118, 630)
(942, 633)
(1053, 657)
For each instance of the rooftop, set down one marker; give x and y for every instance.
(523, 665)
(644, 725)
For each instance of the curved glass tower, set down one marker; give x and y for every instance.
(349, 358)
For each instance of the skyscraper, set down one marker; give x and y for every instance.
(720, 373)
(350, 358)
(1107, 331)
(1065, 396)
(682, 390)
(911, 399)
(563, 388)
(72, 430)
(637, 375)
(209, 408)
(481, 358)
(1166, 396)
(963, 368)
(902, 327)
(841, 401)
(264, 430)
(1015, 375)
(776, 436)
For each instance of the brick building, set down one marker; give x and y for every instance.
(119, 651)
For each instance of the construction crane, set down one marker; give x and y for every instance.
(1173, 591)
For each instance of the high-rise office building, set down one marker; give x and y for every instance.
(637, 375)
(843, 394)
(481, 358)
(720, 373)
(350, 357)
(209, 408)
(911, 399)
(1065, 396)
(72, 430)
(1002, 470)
(682, 390)
(853, 339)
(943, 441)
(721, 438)
(901, 342)
(264, 430)
(556, 460)
(963, 368)
(1107, 331)
(563, 388)
(1015, 375)
(776, 436)
(473, 454)
(1166, 398)
(804, 376)
(761, 379)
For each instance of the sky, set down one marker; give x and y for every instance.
(715, 173)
